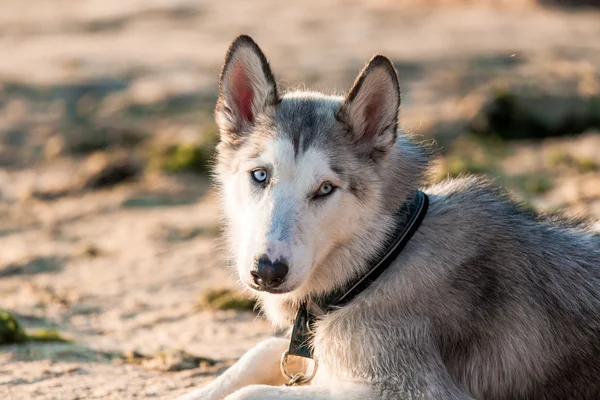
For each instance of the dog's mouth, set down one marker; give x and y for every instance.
(278, 290)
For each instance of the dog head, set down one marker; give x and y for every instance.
(302, 175)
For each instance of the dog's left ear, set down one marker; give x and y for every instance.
(247, 88)
(371, 107)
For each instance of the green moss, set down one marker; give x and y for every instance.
(184, 157)
(470, 154)
(225, 299)
(460, 166)
(10, 329)
(586, 164)
(11, 332)
(212, 231)
(532, 184)
(562, 158)
(191, 157)
(559, 157)
(47, 335)
(538, 184)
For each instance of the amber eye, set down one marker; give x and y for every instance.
(325, 189)
(259, 175)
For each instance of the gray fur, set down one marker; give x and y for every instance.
(508, 306)
(486, 301)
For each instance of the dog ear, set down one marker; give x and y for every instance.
(371, 107)
(246, 88)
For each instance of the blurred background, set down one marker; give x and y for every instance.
(112, 278)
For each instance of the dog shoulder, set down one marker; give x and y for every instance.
(476, 210)
(477, 191)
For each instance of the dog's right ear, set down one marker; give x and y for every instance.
(246, 88)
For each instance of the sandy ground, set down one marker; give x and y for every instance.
(138, 294)
(137, 289)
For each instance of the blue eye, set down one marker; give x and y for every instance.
(259, 175)
(325, 189)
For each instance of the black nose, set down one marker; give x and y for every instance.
(269, 275)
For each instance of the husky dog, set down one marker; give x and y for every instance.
(485, 301)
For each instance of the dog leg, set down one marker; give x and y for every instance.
(338, 391)
(260, 365)
(344, 391)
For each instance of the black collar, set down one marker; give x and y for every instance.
(412, 213)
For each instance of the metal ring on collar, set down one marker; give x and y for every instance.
(299, 378)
